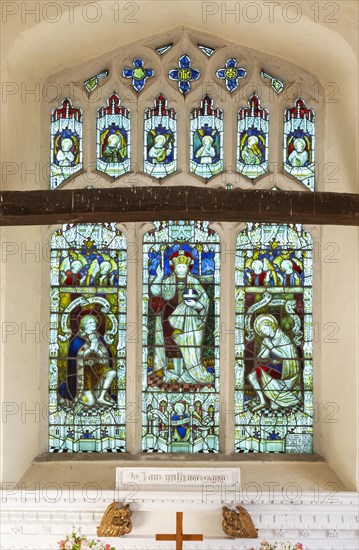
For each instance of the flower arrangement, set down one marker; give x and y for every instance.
(265, 545)
(77, 541)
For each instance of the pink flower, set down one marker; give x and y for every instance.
(107, 547)
(61, 544)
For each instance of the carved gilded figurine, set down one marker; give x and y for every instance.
(238, 525)
(116, 521)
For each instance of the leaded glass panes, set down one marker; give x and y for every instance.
(138, 74)
(180, 382)
(298, 143)
(113, 138)
(184, 75)
(273, 342)
(252, 135)
(206, 147)
(91, 83)
(276, 84)
(160, 139)
(66, 143)
(87, 339)
(231, 74)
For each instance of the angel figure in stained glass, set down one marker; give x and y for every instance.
(260, 271)
(102, 273)
(66, 149)
(72, 268)
(180, 421)
(206, 152)
(116, 148)
(299, 156)
(161, 150)
(290, 276)
(251, 153)
(180, 304)
(276, 378)
(206, 146)
(65, 156)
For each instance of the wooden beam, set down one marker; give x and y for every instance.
(163, 203)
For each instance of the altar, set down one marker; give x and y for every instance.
(39, 519)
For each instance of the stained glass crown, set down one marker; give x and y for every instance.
(181, 257)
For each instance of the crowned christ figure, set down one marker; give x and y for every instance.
(180, 304)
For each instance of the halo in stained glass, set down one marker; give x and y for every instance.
(113, 138)
(273, 340)
(138, 74)
(87, 393)
(160, 139)
(299, 143)
(252, 136)
(206, 147)
(181, 338)
(66, 143)
(184, 75)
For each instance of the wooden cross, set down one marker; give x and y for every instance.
(179, 537)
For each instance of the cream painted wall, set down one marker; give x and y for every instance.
(34, 54)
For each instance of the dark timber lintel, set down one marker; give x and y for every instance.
(177, 203)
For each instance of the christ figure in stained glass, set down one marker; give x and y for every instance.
(180, 304)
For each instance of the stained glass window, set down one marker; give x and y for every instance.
(185, 74)
(113, 138)
(298, 143)
(206, 147)
(273, 343)
(91, 83)
(180, 380)
(231, 74)
(138, 74)
(160, 139)
(87, 339)
(252, 149)
(161, 50)
(66, 143)
(206, 50)
(277, 85)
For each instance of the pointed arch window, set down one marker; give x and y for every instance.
(180, 392)
(87, 339)
(273, 371)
